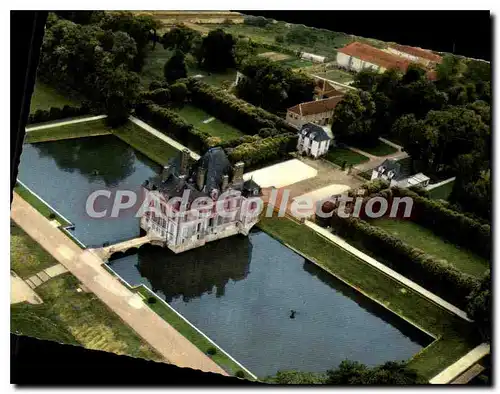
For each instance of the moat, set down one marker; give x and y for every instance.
(240, 290)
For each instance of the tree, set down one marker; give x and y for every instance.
(180, 38)
(365, 80)
(175, 67)
(417, 139)
(479, 306)
(242, 50)
(217, 51)
(414, 73)
(296, 377)
(353, 119)
(450, 70)
(179, 92)
(346, 372)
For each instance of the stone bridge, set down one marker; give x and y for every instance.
(105, 252)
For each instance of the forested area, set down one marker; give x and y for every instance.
(443, 124)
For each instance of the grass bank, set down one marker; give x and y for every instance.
(381, 149)
(453, 333)
(146, 143)
(423, 238)
(27, 257)
(190, 333)
(339, 155)
(44, 97)
(36, 203)
(442, 192)
(74, 130)
(215, 127)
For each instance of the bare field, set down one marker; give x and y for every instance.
(275, 56)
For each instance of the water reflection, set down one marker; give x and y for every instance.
(198, 271)
(88, 156)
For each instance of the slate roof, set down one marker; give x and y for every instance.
(214, 162)
(400, 172)
(314, 132)
(376, 56)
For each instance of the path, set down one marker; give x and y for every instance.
(44, 275)
(162, 136)
(66, 122)
(462, 365)
(434, 185)
(468, 375)
(386, 270)
(86, 267)
(375, 161)
(21, 292)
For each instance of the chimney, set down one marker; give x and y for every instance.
(225, 182)
(200, 178)
(165, 173)
(184, 161)
(238, 172)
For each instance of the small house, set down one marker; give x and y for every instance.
(316, 111)
(314, 140)
(398, 175)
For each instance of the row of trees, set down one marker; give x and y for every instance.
(353, 373)
(99, 59)
(479, 307)
(55, 113)
(273, 86)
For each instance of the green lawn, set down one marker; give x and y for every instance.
(296, 63)
(82, 315)
(44, 97)
(423, 238)
(74, 130)
(381, 149)
(442, 192)
(216, 128)
(146, 143)
(155, 61)
(27, 257)
(339, 155)
(189, 332)
(38, 321)
(336, 75)
(453, 333)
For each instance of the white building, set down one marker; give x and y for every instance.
(397, 175)
(312, 57)
(181, 225)
(317, 111)
(358, 56)
(314, 140)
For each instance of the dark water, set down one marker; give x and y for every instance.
(239, 290)
(64, 173)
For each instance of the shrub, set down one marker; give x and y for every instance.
(55, 113)
(240, 374)
(52, 216)
(152, 300)
(211, 351)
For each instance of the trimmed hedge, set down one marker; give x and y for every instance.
(171, 124)
(452, 225)
(159, 96)
(234, 111)
(436, 275)
(263, 151)
(56, 113)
